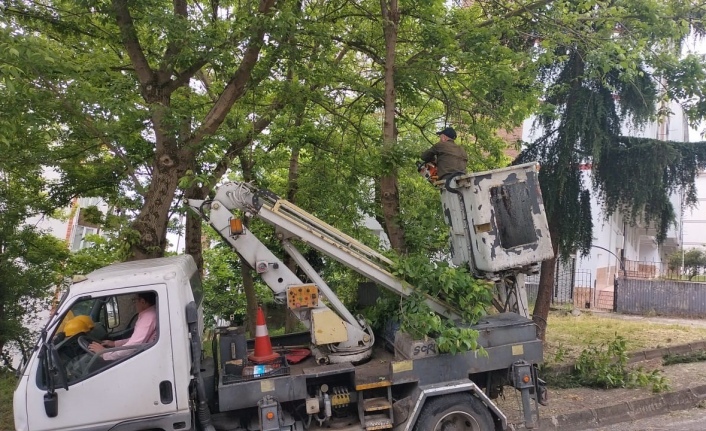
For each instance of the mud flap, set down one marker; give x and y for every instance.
(542, 392)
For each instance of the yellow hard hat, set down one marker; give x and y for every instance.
(70, 315)
(77, 325)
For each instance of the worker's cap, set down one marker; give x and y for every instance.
(449, 131)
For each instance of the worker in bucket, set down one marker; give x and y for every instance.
(447, 155)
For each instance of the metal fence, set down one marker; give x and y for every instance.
(640, 288)
(660, 296)
(660, 288)
(652, 270)
(572, 287)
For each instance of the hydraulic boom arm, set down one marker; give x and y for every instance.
(290, 222)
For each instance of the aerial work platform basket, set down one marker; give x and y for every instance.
(497, 220)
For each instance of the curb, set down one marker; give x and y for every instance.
(674, 350)
(629, 410)
(625, 411)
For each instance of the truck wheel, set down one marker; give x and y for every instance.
(458, 412)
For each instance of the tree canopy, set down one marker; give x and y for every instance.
(144, 109)
(330, 102)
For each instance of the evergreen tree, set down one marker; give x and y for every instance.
(597, 84)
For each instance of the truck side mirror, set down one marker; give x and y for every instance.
(192, 313)
(51, 404)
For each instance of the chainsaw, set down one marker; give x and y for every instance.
(427, 170)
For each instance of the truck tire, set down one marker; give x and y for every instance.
(462, 412)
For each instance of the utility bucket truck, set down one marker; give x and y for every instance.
(343, 380)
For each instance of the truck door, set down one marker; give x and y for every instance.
(134, 382)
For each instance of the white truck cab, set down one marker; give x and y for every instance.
(146, 385)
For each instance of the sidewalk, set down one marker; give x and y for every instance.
(584, 408)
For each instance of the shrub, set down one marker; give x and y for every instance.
(606, 367)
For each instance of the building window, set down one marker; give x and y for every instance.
(79, 240)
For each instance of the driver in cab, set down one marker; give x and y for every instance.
(145, 330)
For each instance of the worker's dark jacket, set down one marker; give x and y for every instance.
(450, 157)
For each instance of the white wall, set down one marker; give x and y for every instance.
(608, 240)
(54, 226)
(695, 219)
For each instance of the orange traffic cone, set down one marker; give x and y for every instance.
(263, 346)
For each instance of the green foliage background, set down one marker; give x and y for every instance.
(7, 385)
(78, 97)
(691, 261)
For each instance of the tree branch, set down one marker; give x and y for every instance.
(184, 77)
(361, 47)
(173, 48)
(132, 43)
(524, 8)
(235, 88)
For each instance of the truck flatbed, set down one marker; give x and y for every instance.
(505, 338)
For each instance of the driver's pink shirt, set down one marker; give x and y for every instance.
(145, 332)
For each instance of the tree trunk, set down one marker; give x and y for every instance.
(544, 296)
(545, 291)
(193, 236)
(151, 223)
(390, 200)
(3, 318)
(250, 294)
(389, 192)
(293, 178)
(251, 298)
(290, 322)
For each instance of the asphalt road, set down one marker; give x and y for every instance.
(685, 420)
